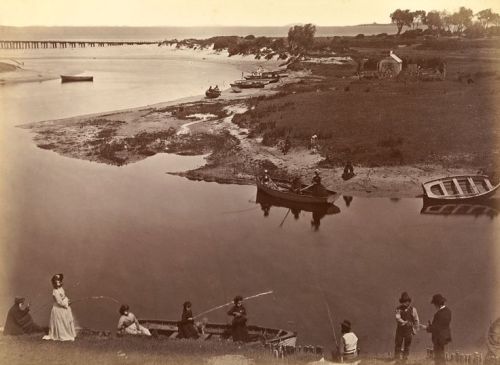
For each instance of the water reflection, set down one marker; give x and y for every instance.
(318, 210)
(489, 208)
(348, 200)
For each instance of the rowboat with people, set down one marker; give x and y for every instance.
(217, 331)
(283, 189)
(65, 78)
(459, 188)
(212, 93)
(265, 199)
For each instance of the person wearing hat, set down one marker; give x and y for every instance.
(407, 325)
(239, 330)
(349, 343)
(440, 328)
(19, 319)
(61, 324)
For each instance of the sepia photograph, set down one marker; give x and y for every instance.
(263, 182)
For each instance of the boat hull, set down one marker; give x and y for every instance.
(459, 188)
(77, 78)
(247, 84)
(284, 193)
(212, 94)
(217, 331)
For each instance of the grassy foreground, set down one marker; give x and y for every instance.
(93, 350)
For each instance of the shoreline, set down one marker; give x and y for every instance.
(234, 156)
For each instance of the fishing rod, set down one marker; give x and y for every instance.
(94, 297)
(229, 303)
(331, 321)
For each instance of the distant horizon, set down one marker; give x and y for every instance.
(216, 13)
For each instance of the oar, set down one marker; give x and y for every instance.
(286, 215)
(229, 303)
(307, 187)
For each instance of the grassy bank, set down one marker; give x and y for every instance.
(138, 350)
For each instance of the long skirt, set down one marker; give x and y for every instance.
(61, 325)
(134, 329)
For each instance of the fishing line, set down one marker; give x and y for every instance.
(231, 302)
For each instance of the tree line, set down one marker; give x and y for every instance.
(443, 21)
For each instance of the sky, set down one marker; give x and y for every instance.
(216, 12)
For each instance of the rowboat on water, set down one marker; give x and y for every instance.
(282, 189)
(65, 78)
(217, 331)
(266, 200)
(460, 188)
(212, 93)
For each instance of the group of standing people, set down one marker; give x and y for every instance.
(408, 324)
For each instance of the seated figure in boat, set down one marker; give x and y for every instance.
(128, 323)
(349, 343)
(296, 185)
(216, 88)
(210, 88)
(186, 325)
(317, 188)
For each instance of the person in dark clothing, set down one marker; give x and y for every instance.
(19, 320)
(186, 325)
(316, 178)
(407, 325)
(348, 171)
(239, 323)
(440, 328)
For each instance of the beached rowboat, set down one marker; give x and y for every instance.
(462, 188)
(282, 189)
(76, 78)
(249, 84)
(216, 331)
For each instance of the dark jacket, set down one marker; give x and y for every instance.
(19, 321)
(440, 327)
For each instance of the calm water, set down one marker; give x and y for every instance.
(160, 33)
(153, 240)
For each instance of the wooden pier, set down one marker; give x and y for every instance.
(10, 44)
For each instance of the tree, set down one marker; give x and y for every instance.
(402, 18)
(433, 21)
(487, 17)
(418, 18)
(301, 38)
(462, 19)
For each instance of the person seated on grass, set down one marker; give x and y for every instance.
(128, 323)
(348, 171)
(349, 343)
(186, 325)
(19, 321)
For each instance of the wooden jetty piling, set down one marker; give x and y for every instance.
(45, 44)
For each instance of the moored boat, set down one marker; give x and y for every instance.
(460, 188)
(212, 93)
(249, 84)
(217, 331)
(65, 78)
(282, 189)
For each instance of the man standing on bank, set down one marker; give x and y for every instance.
(407, 325)
(440, 328)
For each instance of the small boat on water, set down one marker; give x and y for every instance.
(212, 93)
(282, 189)
(249, 84)
(65, 78)
(460, 188)
(217, 332)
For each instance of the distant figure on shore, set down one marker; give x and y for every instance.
(19, 320)
(128, 323)
(61, 324)
(349, 343)
(239, 330)
(186, 325)
(313, 144)
(348, 171)
(440, 328)
(407, 325)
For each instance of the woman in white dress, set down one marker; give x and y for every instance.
(61, 326)
(128, 323)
